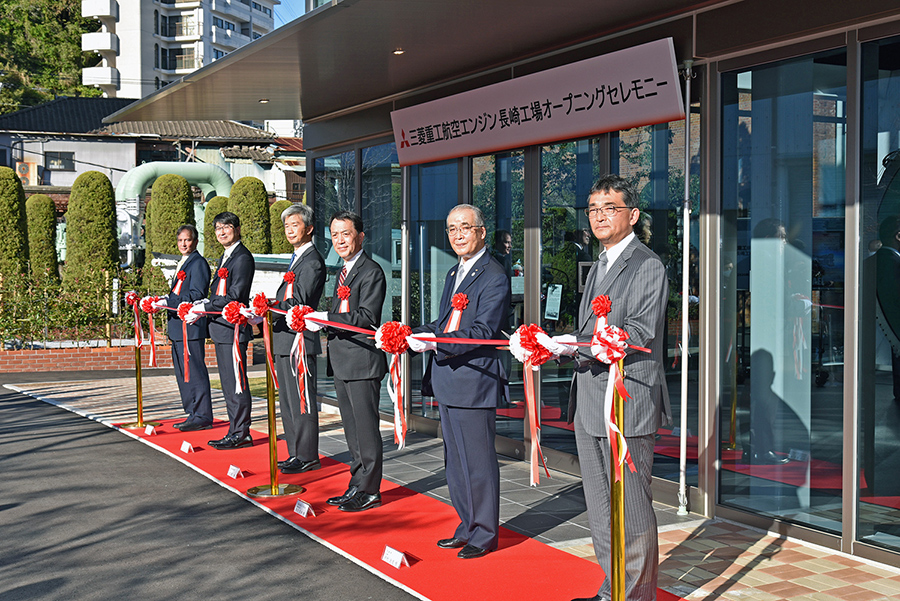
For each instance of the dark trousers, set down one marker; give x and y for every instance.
(641, 543)
(473, 474)
(358, 403)
(195, 395)
(237, 404)
(301, 430)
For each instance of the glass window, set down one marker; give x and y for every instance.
(783, 289)
(879, 394)
(60, 161)
(434, 190)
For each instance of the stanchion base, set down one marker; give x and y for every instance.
(284, 490)
(731, 447)
(140, 425)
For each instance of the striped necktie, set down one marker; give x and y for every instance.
(342, 276)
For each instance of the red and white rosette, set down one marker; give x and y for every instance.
(147, 307)
(296, 321)
(183, 309)
(391, 338)
(232, 314)
(525, 347)
(223, 277)
(179, 281)
(133, 300)
(260, 307)
(289, 278)
(344, 294)
(459, 302)
(609, 345)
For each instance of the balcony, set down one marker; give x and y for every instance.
(228, 38)
(100, 77)
(99, 9)
(100, 42)
(179, 30)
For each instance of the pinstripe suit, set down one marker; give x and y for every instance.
(637, 287)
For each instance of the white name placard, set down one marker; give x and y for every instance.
(149, 431)
(304, 509)
(187, 447)
(619, 90)
(394, 558)
(235, 472)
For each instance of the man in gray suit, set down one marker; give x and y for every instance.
(302, 287)
(634, 278)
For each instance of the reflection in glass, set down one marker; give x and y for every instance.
(783, 289)
(879, 394)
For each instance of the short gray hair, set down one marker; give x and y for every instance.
(305, 211)
(479, 216)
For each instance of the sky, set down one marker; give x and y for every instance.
(287, 11)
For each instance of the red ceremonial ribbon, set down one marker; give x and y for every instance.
(261, 307)
(179, 277)
(223, 275)
(344, 294)
(183, 310)
(132, 299)
(393, 340)
(295, 321)
(289, 277)
(147, 307)
(232, 314)
(459, 302)
(527, 349)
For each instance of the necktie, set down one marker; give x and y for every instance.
(342, 276)
(601, 268)
(460, 276)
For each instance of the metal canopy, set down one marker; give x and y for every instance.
(341, 55)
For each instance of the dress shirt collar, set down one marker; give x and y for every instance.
(349, 264)
(229, 251)
(613, 253)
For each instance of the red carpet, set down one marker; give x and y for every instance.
(522, 568)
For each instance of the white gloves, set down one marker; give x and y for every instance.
(200, 305)
(252, 318)
(159, 304)
(311, 325)
(193, 315)
(420, 346)
(558, 345)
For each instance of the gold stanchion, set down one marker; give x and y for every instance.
(273, 489)
(617, 509)
(140, 423)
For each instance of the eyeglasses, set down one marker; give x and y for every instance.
(463, 229)
(224, 228)
(608, 211)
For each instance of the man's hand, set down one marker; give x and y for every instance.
(159, 304)
(193, 315)
(420, 346)
(313, 326)
(558, 345)
(252, 318)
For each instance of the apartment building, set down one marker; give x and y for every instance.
(147, 44)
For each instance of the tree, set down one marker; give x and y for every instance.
(41, 214)
(41, 56)
(211, 247)
(91, 244)
(13, 225)
(250, 202)
(171, 206)
(280, 242)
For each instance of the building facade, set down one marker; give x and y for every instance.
(146, 44)
(787, 154)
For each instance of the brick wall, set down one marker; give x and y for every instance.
(89, 359)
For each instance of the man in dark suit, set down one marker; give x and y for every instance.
(634, 278)
(190, 284)
(301, 428)
(231, 282)
(357, 366)
(469, 381)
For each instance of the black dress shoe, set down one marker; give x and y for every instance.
(471, 552)
(232, 442)
(362, 501)
(284, 462)
(192, 426)
(768, 458)
(180, 425)
(349, 494)
(594, 598)
(299, 466)
(451, 543)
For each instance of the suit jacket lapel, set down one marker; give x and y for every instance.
(605, 285)
(474, 271)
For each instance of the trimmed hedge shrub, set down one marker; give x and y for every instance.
(171, 206)
(280, 242)
(211, 247)
(91, 243)
(250, 202)
(41, 214)
(13, 225)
